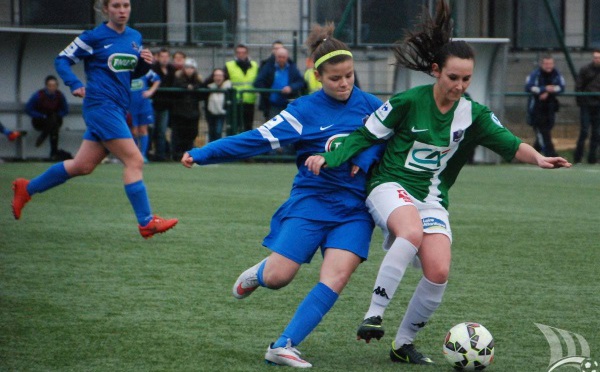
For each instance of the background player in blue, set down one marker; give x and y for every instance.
(328, 211)
(140, 108)
(112, 53)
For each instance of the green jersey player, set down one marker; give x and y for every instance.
(430, 132)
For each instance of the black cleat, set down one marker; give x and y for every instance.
(370, 328)
(408, 354)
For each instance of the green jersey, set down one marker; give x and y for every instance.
(426, 149)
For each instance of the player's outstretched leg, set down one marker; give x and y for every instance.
(248, 281)
(407, 353)
(370, 328)
(285, 356)
(157, 225)
(21, 196)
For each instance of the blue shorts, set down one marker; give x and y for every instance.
(298, 239)
(105, 123)
(142, 118)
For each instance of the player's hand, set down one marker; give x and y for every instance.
(553, 163)
(187, 160)
(286, 90)
(79, 92)
(354, 170)
(147, 94)
(315, 163)
(147, 56)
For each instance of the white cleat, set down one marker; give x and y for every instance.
(285, 356)
(247, 282)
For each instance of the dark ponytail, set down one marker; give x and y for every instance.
(321, 42)
(432, 42)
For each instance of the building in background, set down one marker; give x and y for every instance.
(207, 30)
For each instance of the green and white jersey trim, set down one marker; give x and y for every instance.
(426, 148)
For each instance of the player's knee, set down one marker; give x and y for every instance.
(82, 169)
(276, 279)
(438, 274)
(413, 234)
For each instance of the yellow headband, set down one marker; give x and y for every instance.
(331, 55)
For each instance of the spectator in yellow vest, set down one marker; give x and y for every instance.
(312, 84)
(242, 72)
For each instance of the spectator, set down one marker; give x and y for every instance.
(282, 75)
(179, 60)
(544, 84)
(140, 108)
(312, 84)
(162, 103)
(215, 107)
(186, 112)
(588, 80)
(242, 72)
(271, 59)
(47, 107)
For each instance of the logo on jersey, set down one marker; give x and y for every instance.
(496, 120)
(424, 157)
(458, 135)
(121, 62)
(137, 84)
(431, 223)
(384, 111)
(334, 142)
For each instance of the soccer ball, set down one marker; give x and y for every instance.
(469, 346)
(589, 365)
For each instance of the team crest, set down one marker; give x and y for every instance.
(458, 135)
(135, 46)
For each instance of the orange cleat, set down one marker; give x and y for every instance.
(21, 196)
(157, 226)
(14, 135)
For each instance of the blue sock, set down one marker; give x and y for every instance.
(53, 176)
(143, 144)
(138, 197)
(308, 315)
(259, 274)
(6, 132)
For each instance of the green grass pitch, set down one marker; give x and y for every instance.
(80, 290)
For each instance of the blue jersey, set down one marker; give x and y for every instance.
(138, 86)
(312, 124)
(110, 60)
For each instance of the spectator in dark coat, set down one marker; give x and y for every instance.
(47, 107)
(282, 75)
(185, 112)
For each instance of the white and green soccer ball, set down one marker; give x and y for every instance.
(469, 346)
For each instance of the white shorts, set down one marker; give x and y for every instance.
(385, 198)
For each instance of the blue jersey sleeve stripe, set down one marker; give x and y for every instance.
(292, 120)
(83, 45)
(266, 133)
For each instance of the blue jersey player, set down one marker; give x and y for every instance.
(328, 211)
(140, 108)
(112, 54)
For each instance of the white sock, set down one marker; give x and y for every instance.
(390, 274)
(422, 305)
